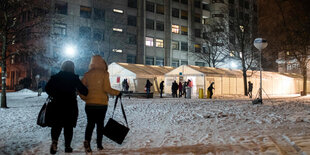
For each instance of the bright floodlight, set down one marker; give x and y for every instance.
(70, 51)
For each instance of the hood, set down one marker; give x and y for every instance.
(97, 62)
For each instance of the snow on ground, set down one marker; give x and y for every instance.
(225, 125)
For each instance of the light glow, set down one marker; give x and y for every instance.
(70, 50)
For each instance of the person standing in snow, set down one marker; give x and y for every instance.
(210, 89)
(98, 83)
(184, 89)
(174, 89)
(148, 86)
(63, 109)
(161, 87)
(250, 89)
(180, 89)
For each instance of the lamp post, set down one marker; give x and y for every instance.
(260, 44)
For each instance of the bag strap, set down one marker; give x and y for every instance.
(123, 111)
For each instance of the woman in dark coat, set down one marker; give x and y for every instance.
(63, 110)
(210, 89)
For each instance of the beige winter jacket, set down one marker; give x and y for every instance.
(98, 83)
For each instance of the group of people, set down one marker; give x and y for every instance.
(181, 87)
(62, 112)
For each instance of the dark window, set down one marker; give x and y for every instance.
(132, 20)
(98, 14)
(175, 13)
(197, 3)
(85, 32)
(218, 15)
(175, 63)
(205, 6)
(232, 39)
(246, 17)
(98, 35)
(218, 29)
(198, 18)
(231, 12)
(198, 33)
(150, 6)
(231, 1)
(176, 0)
(202, 64)
(132, 3)
(217, 1)
(231, 27)
(241, 3)
(132, 39)
(160, 26)
(184, 14)
(217, 44)
(61, 8)
(150, 24)
(255, 7)
(184, 62)
(197, 48)
(149, 61)
(159, 61)
(131, 59)
(160, 9)
(246, 5)
(85, 12)
(184, 46)
(60, 29)
(184, 1)
(241, 15)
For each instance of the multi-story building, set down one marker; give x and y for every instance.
(151, 32)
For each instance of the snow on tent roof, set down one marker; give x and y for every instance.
(150, 70)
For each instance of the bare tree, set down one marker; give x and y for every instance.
(13, 29)
(242, 35)
(215, 47)
(290, 33)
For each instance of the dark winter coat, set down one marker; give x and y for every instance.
(161, 85)
(210, 88)
(180, 86)
(250, 87)
(148, 84)
(175, 87)
(63, 110)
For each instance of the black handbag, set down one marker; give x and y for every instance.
(114, 130)
(42, 117)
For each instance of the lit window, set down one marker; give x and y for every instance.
(175, 29)
(85, 12)
(149, 41)
(287, 53)
(184, 30)
(117, 50)
(117, 29)
(159, 43)
(118, 11)
(197, 48)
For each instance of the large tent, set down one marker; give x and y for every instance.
(136, 75)
(230, 82)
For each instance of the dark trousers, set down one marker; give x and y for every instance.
(95, 116)
(68, 133)
(180, 93)
(161, 93)
(250, 94)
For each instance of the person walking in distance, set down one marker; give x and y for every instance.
(210, 89)
(148, 86)
(161, 87)
(250, 89)
(174, 89)
(98, 83)
(63, 109)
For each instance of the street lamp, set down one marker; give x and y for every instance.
(70, 51)
(260, 44)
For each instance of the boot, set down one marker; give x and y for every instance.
(87, 146)
(53, 148)
(68, 149)
(99, 144)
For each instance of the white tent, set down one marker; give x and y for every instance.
(230, 82)
(136, 75)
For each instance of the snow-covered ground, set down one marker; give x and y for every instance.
(225, 125)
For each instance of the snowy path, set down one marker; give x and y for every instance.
(172, 126)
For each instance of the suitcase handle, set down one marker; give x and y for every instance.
(123, 111)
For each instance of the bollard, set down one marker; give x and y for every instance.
(200, 93)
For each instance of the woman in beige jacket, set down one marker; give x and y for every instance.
(98, 83)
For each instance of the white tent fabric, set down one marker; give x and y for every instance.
(230, 82)
(136, 75)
